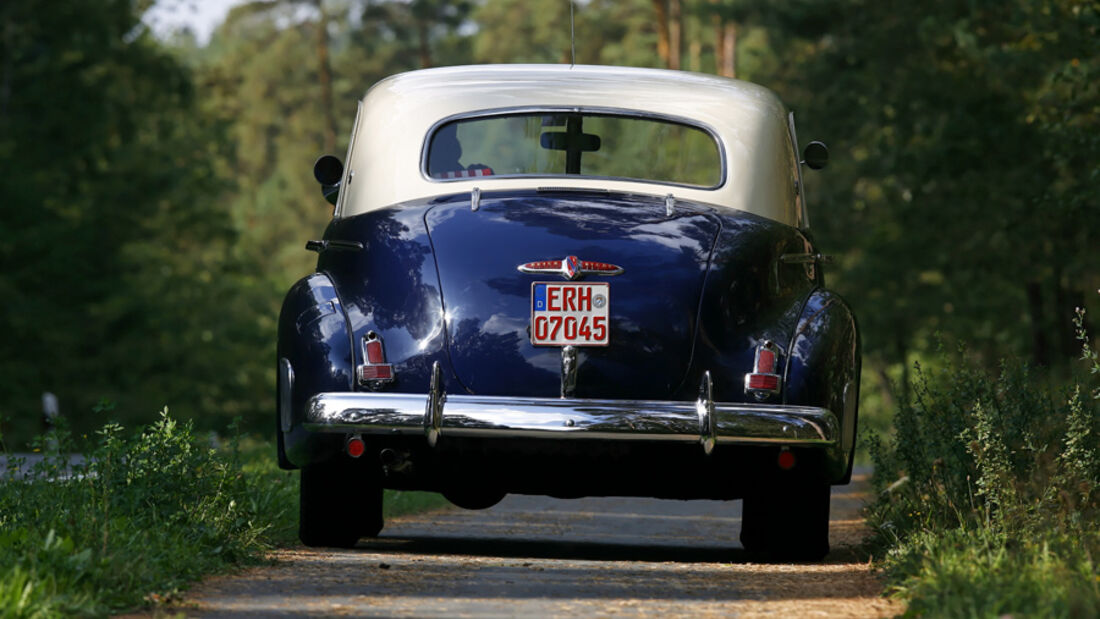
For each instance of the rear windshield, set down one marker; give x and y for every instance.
(571, 143)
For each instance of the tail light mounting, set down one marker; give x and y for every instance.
(374, 371)
(764, 380)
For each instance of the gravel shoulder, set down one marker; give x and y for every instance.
(534, 556)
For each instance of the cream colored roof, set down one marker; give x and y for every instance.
(384, 160)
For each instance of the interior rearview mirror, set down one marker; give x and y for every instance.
(561, 140)
(328, 170)
(815, 155)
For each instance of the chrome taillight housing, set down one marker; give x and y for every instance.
(374, 371)
(764, 380)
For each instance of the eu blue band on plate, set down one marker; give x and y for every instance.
(539, 298)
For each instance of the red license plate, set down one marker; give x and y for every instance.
(570, 314)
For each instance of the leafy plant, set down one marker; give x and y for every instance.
(992, 484)
(144, 513)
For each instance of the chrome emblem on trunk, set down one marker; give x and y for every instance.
(571, 267)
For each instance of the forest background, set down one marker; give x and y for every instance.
(156, 194)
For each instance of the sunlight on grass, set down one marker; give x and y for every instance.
(147, 512)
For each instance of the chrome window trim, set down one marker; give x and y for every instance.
(803, 215)
(345, 183)
(595, 110)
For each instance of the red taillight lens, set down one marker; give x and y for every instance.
(374, 368)
(375, 372)
(765, 362)
(374, 352)
(769, 382)
(764, 380)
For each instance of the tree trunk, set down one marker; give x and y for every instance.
(660, 7)
(719, 42)
(903, 355)
(1066, 301)
(324, 72)
(675, 27)
(695, 52)
(1040, 350)
(422, 44)
(9, 54)
(886, 386)
(729, 54)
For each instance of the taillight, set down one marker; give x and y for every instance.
(374, 369)
(764, 380)
(765, 361)
(375, 372)
(374, 352)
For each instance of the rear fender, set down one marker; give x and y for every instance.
(823, 364)
(315, 355)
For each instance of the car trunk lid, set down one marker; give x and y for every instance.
(654, 301)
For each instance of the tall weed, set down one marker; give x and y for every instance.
(143, 514)
(991, 483)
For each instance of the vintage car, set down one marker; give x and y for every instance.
(569, 281)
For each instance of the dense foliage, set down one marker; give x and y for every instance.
(144, 513)
(157, 194)
(117, 266)
(988, 494)
(965, 137)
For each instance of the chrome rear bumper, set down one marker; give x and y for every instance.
(436, 414)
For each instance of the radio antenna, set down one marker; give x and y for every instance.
(572, 37)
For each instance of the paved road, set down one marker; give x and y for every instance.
(540, 557)
(25, 463)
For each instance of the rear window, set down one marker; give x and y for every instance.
(572, 143)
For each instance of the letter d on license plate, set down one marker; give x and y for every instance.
(570, 314)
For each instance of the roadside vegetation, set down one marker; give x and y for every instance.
(157, 195)
(149, 511)
(988, 493)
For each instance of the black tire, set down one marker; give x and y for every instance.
(338, 504)
(468, 497)
(789, 522)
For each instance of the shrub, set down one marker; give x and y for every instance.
(988, 493)
(143, 515)
(146, 513)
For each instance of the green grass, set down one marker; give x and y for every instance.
(988, 494)
(153, 510)
(981, 572)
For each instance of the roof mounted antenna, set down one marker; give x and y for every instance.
(572, 37)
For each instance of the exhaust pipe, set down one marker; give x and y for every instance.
(394, 461)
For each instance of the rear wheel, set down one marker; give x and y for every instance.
(789, 522)
(339, 504)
